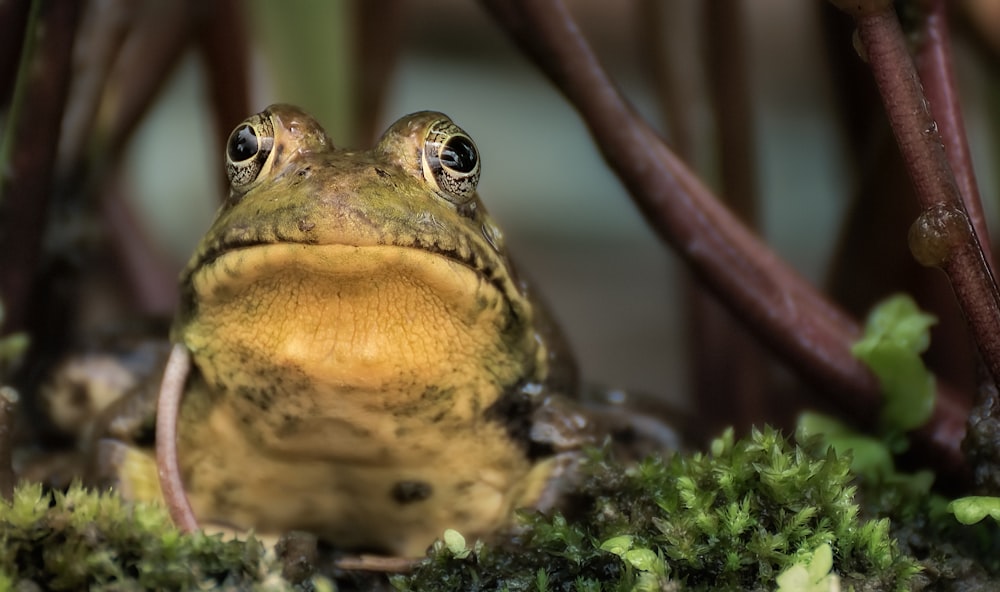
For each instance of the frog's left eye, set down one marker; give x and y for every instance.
(247, 150)
(450, 161)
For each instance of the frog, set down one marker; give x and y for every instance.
(368, 365)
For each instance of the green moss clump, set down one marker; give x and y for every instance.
(732, 519)
(82, 540)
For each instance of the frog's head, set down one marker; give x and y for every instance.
(387, 257)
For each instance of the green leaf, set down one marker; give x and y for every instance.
(896, 333)
(972, 509)
(617, 545)
(641, 559)
(821, 563)
(815, 577)
(456, 543)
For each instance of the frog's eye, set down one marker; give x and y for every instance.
(450, 161)
(247, 150)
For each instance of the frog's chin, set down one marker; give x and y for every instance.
(359, 320)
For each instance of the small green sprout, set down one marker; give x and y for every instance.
(896, 333)
(972, 509)
(455, 543)
(814, 576)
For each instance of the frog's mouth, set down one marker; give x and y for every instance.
(232, 258)
(273, 268)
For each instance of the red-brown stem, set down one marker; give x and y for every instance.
(718, 339)
(224, 44)
(378, 32)
(13, 17)
(8, 408)
(149, 274)
(378, 563)
(154, 46)
(671, 42)
(25, 180)
(920, 144)
(937, 73)
(167, 410)
(808, 332)
(669, 50)
(103, 38)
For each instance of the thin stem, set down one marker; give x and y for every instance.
(809, 333)
(378, 563)
(223, 41)
(167, 409)
(8, 406)
(20, 96)
(718, 339)
(943, 235)
(29, 149)
(937, 73)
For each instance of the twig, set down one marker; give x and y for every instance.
(717, 338)
(8, 406)
(378, 30)
(943, 235)
(167, 410)
(13, 21)
(782, 308)
(28, 149)
(937, 73)
(223, 42)
(379, 563)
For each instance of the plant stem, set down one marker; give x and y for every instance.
(20, 95)
(167, 411)
(28, 150)
(8, 408)
(937, 74)
(943, 235)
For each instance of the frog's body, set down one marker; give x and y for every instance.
(366, 361)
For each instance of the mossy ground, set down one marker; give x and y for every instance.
(80, 540)
(732, 518)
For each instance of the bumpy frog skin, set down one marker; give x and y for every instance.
(366, 361)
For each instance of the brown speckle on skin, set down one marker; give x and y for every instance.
(306, 225)
(408, 492)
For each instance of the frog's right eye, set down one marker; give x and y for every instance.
(247, 150)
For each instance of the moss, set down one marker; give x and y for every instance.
(731, 519)
(82, 540)
(955, 556)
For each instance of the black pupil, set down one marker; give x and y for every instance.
(243, 144)
(459, 155)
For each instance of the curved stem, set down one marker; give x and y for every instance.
(167, 409)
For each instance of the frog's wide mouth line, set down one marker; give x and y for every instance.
(250, 261)
(471, 259)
